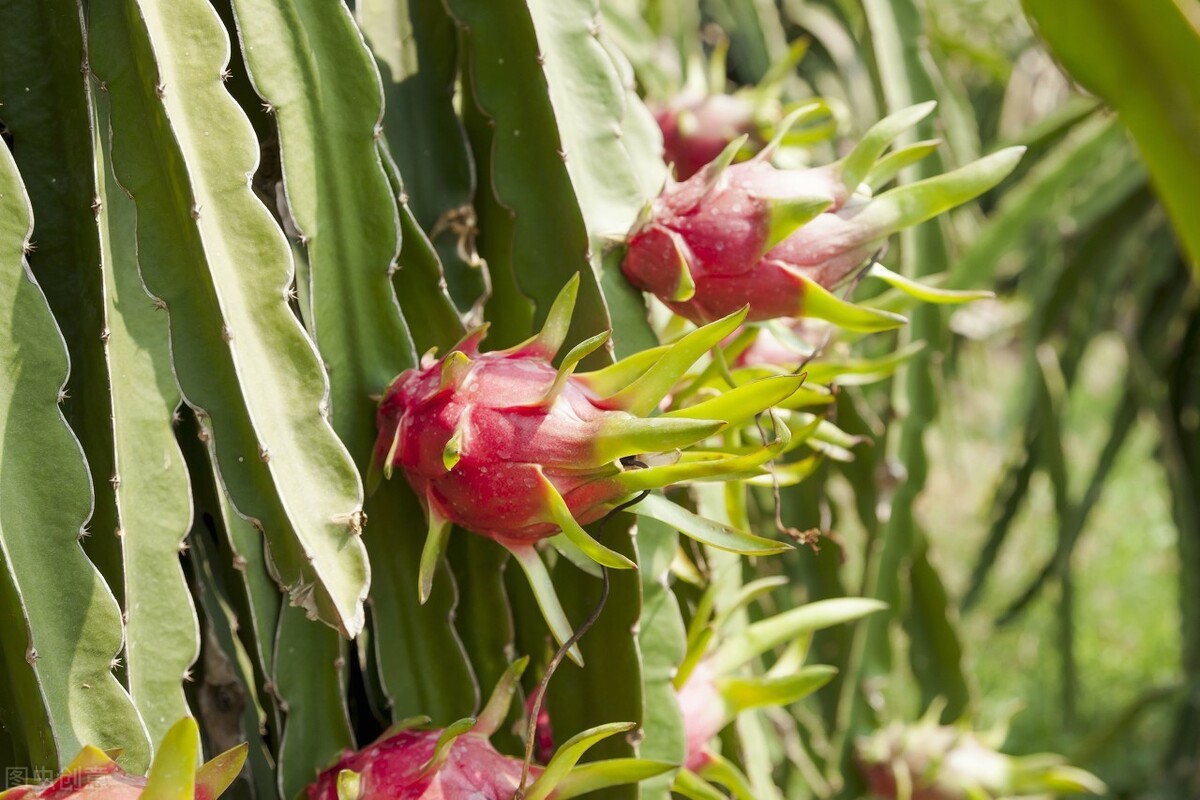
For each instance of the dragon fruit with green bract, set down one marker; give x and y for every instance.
(712, 686)
(412, 762)
(696, 129)
(930, 761)
(510, 447)
(782, 241)
(94, 775)
(700, 119)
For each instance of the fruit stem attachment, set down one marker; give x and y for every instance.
(539, 693)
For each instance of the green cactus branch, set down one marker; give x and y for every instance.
(213, 257)
(60, 630)
(502, 50)
(415, 45)
(346, 211)
(153, 492)
(45, 108)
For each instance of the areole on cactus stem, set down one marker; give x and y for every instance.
(413, 762)
(507, 446)
(781, 241)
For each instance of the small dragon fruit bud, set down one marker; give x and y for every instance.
(781, 241)
(704, 714)
(929, 761)
(712, 686)
(411, 762)
(509, 447)
(94, 775)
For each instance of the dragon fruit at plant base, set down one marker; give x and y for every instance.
(94, 775)
(781, 241)
(459, 762)
(929, 761)
(507, 446)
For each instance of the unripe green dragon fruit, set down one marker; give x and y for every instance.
(782, 241)
(508, 446)
(94, 775)
(411, 762)
(929, 761)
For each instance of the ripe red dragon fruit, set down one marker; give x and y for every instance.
(781, 241)
(410, 762)
(509, 447)
(701, 120)
(930, 761)
(696, 129)
(93, 775)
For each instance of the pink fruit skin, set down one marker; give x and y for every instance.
(708, 124)
(703, 713)
(722, 231)
(494, 489)
(390, 769)
(109, 782)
